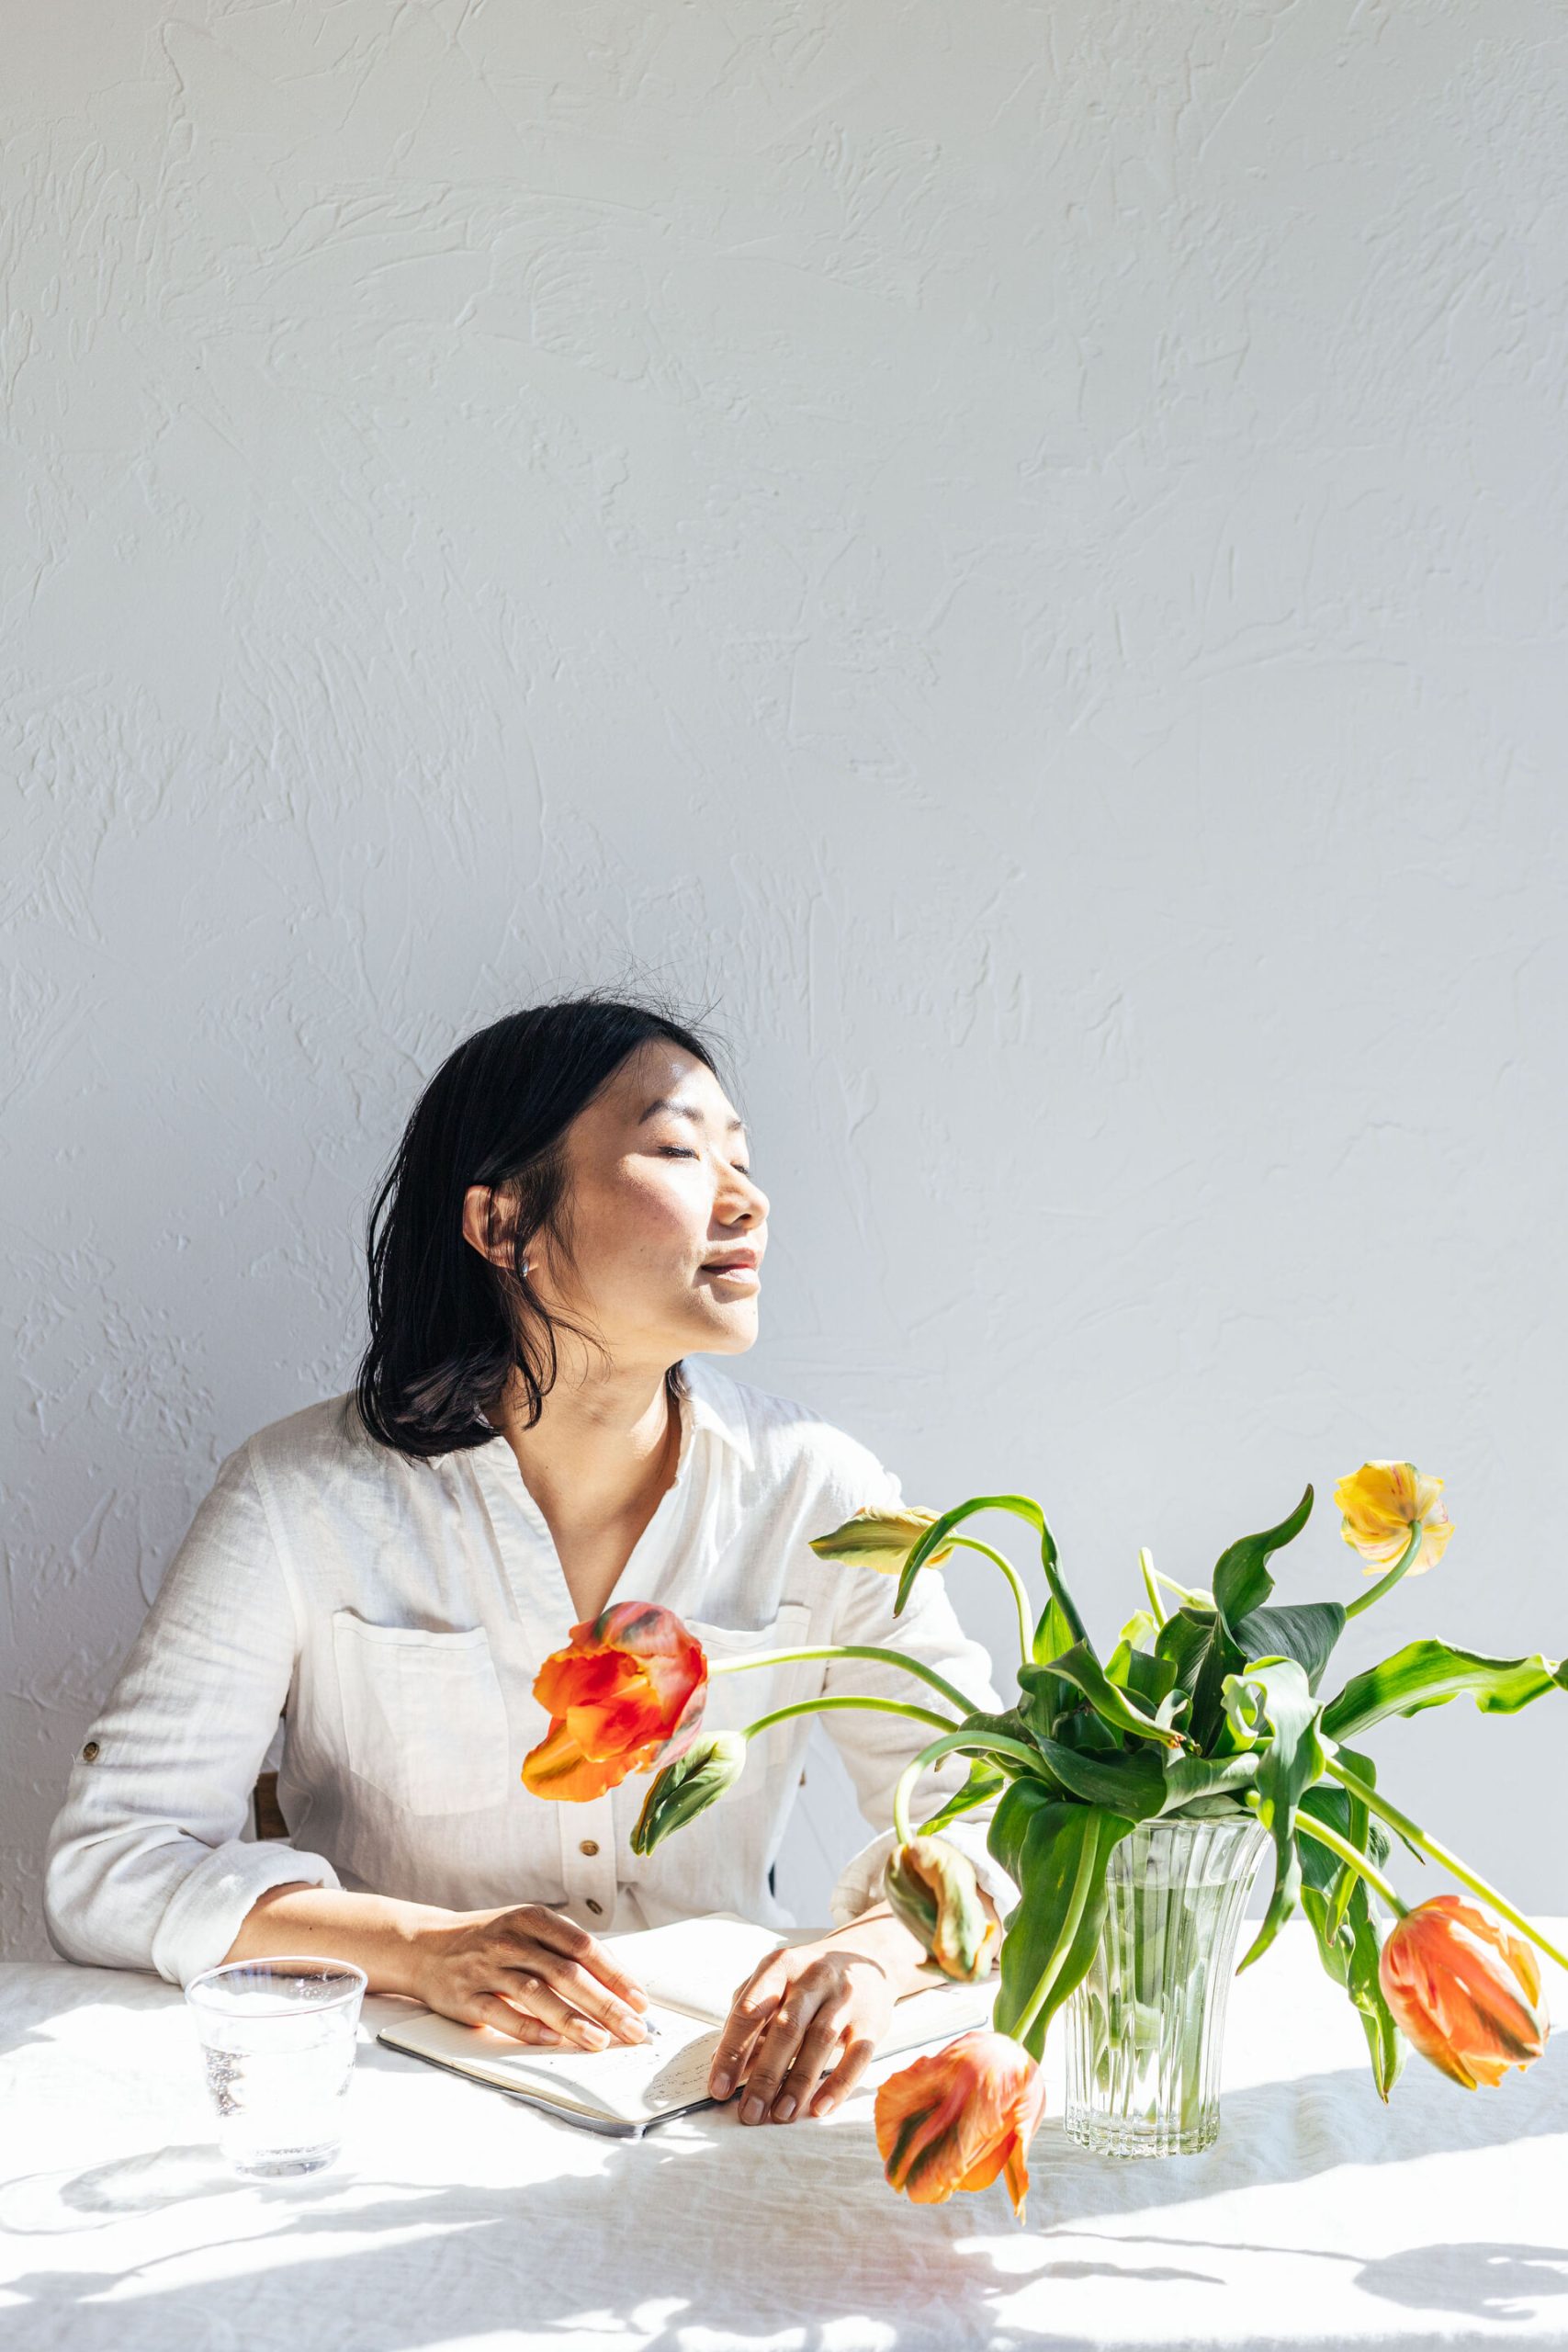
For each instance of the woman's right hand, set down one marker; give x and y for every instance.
(531, 1973)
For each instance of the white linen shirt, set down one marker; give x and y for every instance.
(396, 1612)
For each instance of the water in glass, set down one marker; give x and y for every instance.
(278, 2039)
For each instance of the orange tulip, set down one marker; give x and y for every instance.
(1465, 1989)
(1381, 1503)
(624, 1695)
(957, 2119)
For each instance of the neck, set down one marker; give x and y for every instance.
(601, 1447)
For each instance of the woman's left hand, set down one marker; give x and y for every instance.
(806, 2021)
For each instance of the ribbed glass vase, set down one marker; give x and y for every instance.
(1146, 2028)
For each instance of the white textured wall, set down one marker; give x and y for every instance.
(1020, 547)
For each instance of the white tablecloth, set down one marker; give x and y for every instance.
(458, 2218)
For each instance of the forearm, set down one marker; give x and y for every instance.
(388, 1939)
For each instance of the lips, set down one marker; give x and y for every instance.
(741, 1262)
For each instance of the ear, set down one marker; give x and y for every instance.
(480, 1204)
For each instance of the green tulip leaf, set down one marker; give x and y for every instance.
(1056, 1851)
(1349, 1951)
(1292, 1760)
(1142, 1673)
(1305, 1630)
(1242, 1581)
(1428, 1673)
(1129, 1782)
(1189, 1779)
(985, 1781)
(1053, 1634)
(1079, 1666)
(1182, 1643)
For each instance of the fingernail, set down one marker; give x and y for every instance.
(633, 2028)
(825, 2105)
(752, 2110)
(785, 2107)
(593, 2037)
(719, 2086)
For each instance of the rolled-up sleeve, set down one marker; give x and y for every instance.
(875, 1747)
(145, 1866)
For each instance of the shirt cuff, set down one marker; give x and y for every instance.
(859, 1884)
(208, 1910)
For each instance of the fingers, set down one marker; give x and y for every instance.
(755, 2002)
(857, 2053)
(572, 1987)
(553, 1948)
(560, 1934)
(489, 2008)
(798, 2035)
(819, 2046)
(535, 1999)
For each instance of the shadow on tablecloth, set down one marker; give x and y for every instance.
(685, 2241)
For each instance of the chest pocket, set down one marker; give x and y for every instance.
(424, 1716)
(737, 1698)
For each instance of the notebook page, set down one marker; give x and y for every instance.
(696, 1963)
(630, 2082)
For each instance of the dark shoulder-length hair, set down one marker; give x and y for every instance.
(448, 1328)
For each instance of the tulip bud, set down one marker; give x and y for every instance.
(709, 1767)
(1465, 1989)
(932, 1887)
(882, 1540)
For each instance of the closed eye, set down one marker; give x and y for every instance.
(681, 1152)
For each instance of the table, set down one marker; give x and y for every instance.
(456, 2218)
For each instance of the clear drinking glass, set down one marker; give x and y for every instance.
(278, 2037)
(1145, 2027)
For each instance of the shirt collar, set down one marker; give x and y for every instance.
(715, 1405)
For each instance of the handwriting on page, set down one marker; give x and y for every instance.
(670, 2069)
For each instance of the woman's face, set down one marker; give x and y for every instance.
(667, 1229)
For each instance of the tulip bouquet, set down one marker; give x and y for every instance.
(1209, 1705)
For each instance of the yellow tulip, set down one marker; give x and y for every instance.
(1381, 1505)
(882, 1540)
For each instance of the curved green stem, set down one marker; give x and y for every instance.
(1024, 1507)
(972, 1742)
(1198, 1599)
(1379, 1804)
(847, 1649)
(1349, 1853)
(816, 1706)
(1078, 1902)
(1386, 1584)
(1151, 1584)
(1025, 1631)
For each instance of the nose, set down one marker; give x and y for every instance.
(741, 1202)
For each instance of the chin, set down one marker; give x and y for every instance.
(731, 1337)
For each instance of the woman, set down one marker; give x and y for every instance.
(572, 1211)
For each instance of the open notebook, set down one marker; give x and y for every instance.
(689, 1970)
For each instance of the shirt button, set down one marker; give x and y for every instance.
(89, 1753)
(588, 1846)
(595, 1907)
